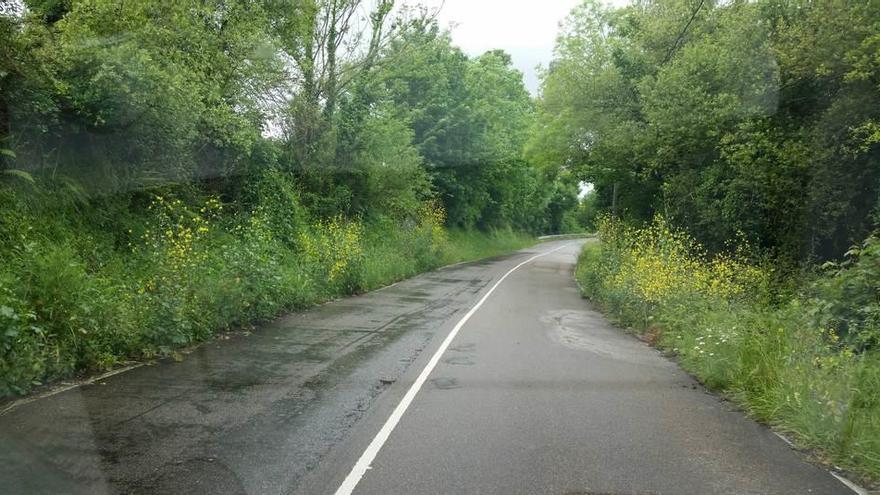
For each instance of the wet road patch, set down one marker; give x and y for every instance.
(445, 383)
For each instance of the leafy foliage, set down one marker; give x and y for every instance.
(470, 119)
(847, 299)
(76, 296)
(734, 145)
(756, 118)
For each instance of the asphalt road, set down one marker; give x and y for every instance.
(536, 393)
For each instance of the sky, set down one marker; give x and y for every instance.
(526, 29)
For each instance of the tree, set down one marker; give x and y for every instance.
(147, 91)
(329, 45)
(470, 119)
(732, 119)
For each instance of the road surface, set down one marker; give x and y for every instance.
(533, 392)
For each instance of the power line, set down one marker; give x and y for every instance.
(681, 34)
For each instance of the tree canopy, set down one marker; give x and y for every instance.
(730, 118)
(371, 109)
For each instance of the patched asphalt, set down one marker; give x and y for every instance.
(537, 394)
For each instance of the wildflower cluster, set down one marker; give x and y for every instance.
(708, 342)
(335, 244)
(807, 363)
(174, 235)
(657, 264)
(835, 354)
(432, 216)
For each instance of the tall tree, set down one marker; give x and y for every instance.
(329, 44)
(741, 118)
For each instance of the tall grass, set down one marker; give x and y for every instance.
(735, 327)
(88, 285)
(466, 245)
(393, 254)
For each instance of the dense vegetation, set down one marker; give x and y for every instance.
(756, 119)
(734, 147)
(170, 169)
(780, 354)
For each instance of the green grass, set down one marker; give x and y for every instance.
(771, 358)
(391, 255)
(467, 245)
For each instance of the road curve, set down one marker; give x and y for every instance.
(535, 394)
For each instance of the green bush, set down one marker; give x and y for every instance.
(848, 299)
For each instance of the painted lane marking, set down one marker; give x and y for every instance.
(786, 440)
(65, 386)
(363, 463)
(849, 484)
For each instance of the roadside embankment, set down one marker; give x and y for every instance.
(792, 354)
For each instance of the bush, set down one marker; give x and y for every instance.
(848, 299)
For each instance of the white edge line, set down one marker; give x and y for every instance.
(849, 484)
(785, 439)
(64, 388)
(363, 463)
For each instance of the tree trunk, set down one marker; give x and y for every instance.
(614, 200)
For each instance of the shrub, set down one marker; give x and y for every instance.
(849, 296)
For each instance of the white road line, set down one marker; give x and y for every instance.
(363, 464)
(785, 439)
(849, 484)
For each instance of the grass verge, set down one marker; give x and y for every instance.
(732, 324)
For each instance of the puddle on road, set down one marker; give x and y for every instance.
(468, 347)
(234, 382)
(459, 360)
(587, 331)
(200, 475)
(445, 383)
